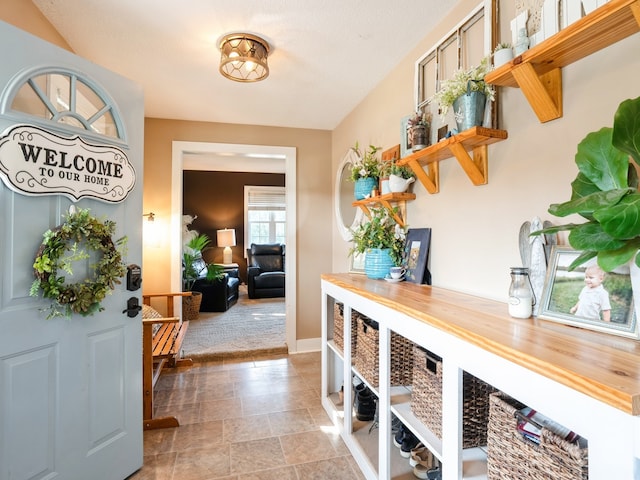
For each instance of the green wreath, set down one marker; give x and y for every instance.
(61, 247)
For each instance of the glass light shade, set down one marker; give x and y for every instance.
(244, 57)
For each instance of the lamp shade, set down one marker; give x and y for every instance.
(244, 57)
(226, 237)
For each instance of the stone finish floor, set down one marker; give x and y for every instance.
(257, 418)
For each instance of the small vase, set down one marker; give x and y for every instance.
(418, 137)
(502, 56)
(377, 262)
(364, 186)
(384, 186)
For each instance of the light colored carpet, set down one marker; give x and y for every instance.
(250, 326)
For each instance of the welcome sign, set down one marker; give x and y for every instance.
(34, 161)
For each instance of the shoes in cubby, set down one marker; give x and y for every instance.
(422, 472)
(398, 437)
(421, 455)
(365, 403)
(409, 442)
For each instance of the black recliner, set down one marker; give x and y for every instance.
(265, 270)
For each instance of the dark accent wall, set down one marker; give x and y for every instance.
(217, 199)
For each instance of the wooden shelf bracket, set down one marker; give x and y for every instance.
(476, 168)
(543, 92)
(430, 178)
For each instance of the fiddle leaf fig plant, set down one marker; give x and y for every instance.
(605, 193)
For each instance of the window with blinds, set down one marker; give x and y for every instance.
(265, 215)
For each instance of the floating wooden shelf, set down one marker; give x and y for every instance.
(474, 139)
(385, 200)
(538, 70)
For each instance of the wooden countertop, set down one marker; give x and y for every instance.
(605, 367)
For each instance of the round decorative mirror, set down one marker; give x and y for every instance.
(347, 216)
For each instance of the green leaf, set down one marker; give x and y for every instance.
(582, 186)
(626, 128)
(601, 162)
(590, 203)
(591, 236)
(611, 259)
(582, 258)
(622, 220)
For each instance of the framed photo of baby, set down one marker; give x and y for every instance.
(587, 296)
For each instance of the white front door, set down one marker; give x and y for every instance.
(70, 388)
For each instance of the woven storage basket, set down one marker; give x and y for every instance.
(510, 456)
(338, 327)
(426, 399)
(366, 358)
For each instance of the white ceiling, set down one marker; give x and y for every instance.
(326, 55)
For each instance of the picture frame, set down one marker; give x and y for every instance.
(406, 146)
(416, 255)
(356, 263)
(561, 301)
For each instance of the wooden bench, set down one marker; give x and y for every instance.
(159, 350)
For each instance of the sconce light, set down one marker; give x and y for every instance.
(151, 215)
(227, 239)
(244, 57)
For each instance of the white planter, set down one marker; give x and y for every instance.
(502, 56)
(398, 184)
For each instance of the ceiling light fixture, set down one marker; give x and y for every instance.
(244, 57)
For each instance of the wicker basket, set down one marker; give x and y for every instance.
(191, 306)
(366, 358)
(510, 456)
(338, 327)
(426, 399)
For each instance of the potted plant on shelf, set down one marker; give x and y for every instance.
(467, 93)
(381, 239)
(400, 177)
(502, 54)
(365, 172)
(605, 193)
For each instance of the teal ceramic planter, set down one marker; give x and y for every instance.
(364, 186)
(377, 262)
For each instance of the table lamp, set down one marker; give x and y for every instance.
(226, 239)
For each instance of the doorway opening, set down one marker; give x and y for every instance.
(238, 157)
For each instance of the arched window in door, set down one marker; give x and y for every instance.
(65, 97)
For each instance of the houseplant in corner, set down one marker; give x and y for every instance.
(467, 93)
(193, 268)
(365, 172)
(605, 193)
(381, 239)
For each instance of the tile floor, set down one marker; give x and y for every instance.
(253, 418)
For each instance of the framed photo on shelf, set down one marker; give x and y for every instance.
(416, 253)
(356, 264)
(406, 147)
(588, 297)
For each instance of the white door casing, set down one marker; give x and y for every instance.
(70, 389)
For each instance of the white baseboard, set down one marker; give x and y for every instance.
(307, 345)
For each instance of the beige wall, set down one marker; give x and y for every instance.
(475, 229)
(314, 219)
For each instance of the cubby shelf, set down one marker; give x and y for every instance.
(474, 139)
(386, 201)
(538, 70)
